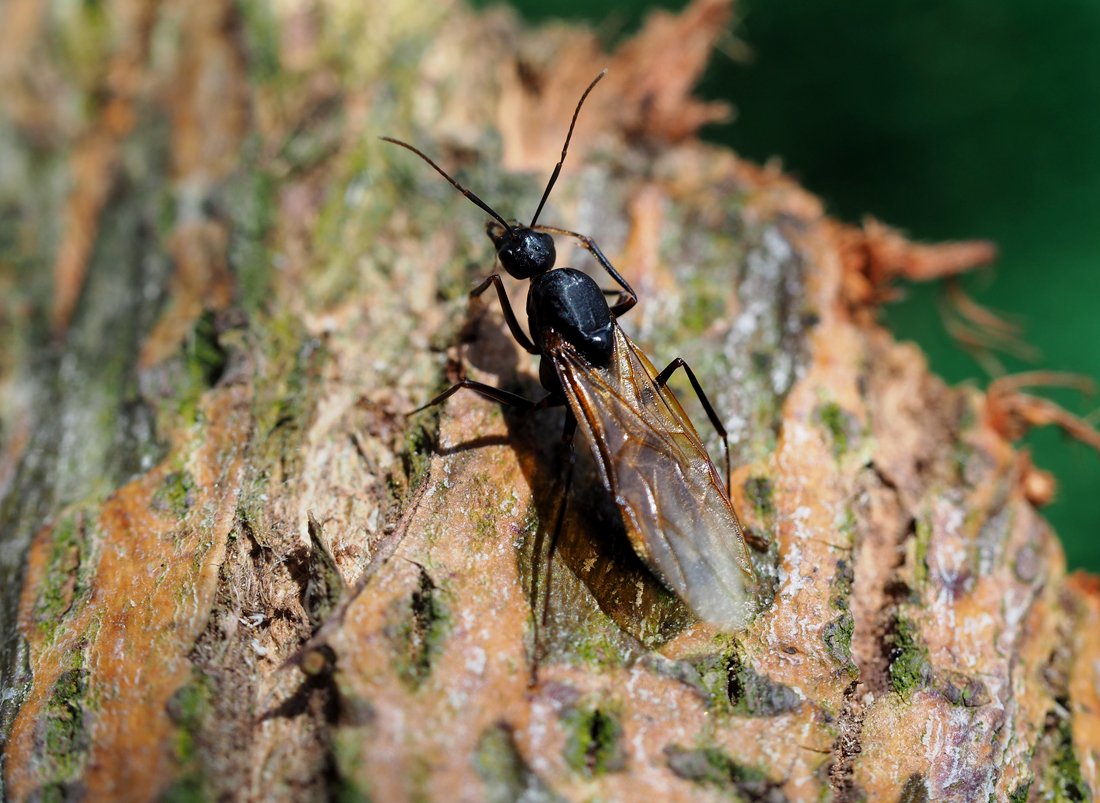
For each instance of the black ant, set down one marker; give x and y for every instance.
(676, 509)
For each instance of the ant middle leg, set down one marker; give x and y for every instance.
(489, 392)
(505, 397)
(628, 297)
(662, 380)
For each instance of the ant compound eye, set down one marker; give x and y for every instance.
(523, 252)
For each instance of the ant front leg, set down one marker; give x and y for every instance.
(662, 380)
(628, 296)
(506, 307)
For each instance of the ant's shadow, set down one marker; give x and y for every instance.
(590, 549)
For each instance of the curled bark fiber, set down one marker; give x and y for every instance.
(221, 295)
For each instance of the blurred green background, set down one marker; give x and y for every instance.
(969, 118)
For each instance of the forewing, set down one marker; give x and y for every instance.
(671, 498)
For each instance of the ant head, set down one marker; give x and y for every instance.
(522, 251)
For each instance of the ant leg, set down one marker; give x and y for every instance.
(567, 434)
(630, 298)
(509, 315)
(662, 379)
(488, 391)
(568, 431)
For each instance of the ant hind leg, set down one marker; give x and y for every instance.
(662, 380)
(543, 617)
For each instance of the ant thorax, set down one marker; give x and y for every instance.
(570, 303)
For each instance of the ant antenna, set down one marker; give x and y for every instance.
(565, 147)
(484, 206)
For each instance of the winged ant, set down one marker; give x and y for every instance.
(676, 509)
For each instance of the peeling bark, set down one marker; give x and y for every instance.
(233, 568)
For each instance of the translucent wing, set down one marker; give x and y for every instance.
(672, 500)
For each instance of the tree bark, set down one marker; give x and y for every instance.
(233, 568)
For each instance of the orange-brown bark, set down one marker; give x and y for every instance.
(247, 574)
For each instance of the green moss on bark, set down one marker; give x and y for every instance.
(909, 668)
(593, 741)
(710, 766)
(64, 739)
